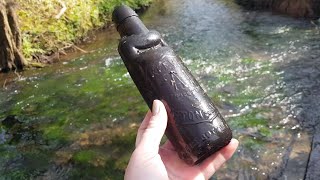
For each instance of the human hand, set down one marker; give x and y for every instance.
(149, 161)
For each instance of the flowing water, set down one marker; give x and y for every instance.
(78, 118)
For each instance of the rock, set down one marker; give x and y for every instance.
(10, 121)
(313, 171)
(296, 165)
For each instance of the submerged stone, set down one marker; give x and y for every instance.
(10, 121)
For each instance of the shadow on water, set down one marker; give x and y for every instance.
(78, 118)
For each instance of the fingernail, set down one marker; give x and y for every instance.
(155, 108)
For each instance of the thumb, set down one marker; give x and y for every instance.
(152, 128)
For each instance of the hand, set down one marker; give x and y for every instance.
(148, 161)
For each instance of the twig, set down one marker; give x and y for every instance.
(62, 52)
(313, 23)
(62, 10)
(4, 84)
(19, 76)
(76, 47)
(71, 45)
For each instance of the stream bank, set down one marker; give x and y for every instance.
(49, 27)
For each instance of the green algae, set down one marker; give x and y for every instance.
(248, 120)
(85, 156)
(248, 61)
(68, 104)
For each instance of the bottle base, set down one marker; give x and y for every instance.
(210, 152)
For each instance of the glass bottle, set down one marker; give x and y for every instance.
(195, 127)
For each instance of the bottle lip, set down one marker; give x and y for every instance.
(121, 13)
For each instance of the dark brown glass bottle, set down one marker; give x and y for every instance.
(195, 127)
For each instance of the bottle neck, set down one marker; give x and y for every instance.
(132, 25)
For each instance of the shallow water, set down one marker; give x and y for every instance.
(78, 117)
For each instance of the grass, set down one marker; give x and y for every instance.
(43, 33)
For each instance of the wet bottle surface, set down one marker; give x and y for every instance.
(195, 127)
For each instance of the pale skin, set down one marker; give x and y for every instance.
(150, 161)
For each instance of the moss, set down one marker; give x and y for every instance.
(85, 156)
(56, 133)
(252, 144)
(264, 131)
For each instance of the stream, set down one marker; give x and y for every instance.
(77, 118)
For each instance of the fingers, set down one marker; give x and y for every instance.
(152, 128)
(214, 162)
(143, 126)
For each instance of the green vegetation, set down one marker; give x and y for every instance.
(93, 114)
(45, 29)
(86, 156)
(249, 120)
(248, 61)
(96, 92)
(107, 163)
(253, 144)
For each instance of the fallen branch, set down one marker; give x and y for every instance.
(76, 47)
(37, 65)
(62, 10)
(71, 45)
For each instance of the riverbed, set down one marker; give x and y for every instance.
(78, 117)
